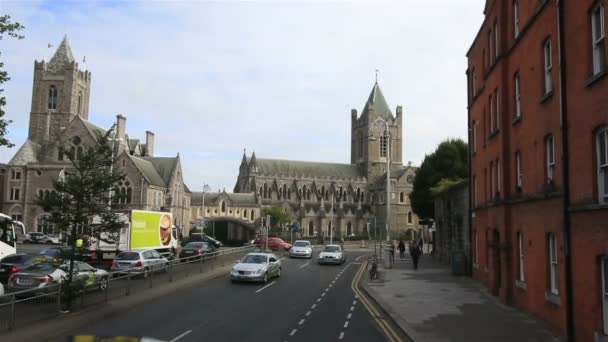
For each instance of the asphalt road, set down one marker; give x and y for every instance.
(309, 302)
(32, 248)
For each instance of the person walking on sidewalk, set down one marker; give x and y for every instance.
(401, 248)
(420, 244)
(415, 254)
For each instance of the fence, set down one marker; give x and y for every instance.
(18, 309)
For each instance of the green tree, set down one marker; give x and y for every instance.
(10, 29)
(279, 216)
(83, 192)
(448, 164)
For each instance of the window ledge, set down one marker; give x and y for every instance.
(553, 298)
(595, 78)
(521, 284)
(546, 97)
(517, 120)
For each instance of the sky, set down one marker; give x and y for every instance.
(212, 79)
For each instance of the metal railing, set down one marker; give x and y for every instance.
(18, 309)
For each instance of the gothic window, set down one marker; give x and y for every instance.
(311, 228)
(76, 149)
(284, 191)
(79, 102)
(409, 218)
(383, 144)
(358, 193)
(223, 207)
(123, 193)
(251, 215)
(261, 192)
(288, 194)
(245, 213)
(44, 224)
(265, 191)
(401, 197)
(360, 145)
(52, 97)
(349, 229)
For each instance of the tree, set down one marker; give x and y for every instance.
(448, 164)
(82, 193)
(278, 216)
(11, 29)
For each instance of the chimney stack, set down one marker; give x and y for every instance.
(149, 144)
(121, 127)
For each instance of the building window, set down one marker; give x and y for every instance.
(245, 213)
(474, 191)
(383, 144)
(52, 97)
(548, 67)
(223, 207)
(311, 228)
(17, 217)
(496, 112)
(251, 217)
(15, 174)
(474, 80)
(349, 229)
(410, 219)
(401, 197)
(490, 48)
(518, 172)
(598, 36)
(521, 245)
(517, 96)
(485, 61)
(496, 41)
(15, 194)
(79, 102)
(497, 177)
(474, 138)
(492, 188)
(602, 163)
(265, 191)
(516, 17)
(123, 193)
(550, 157)
(44, 225)
(476, 240)
(553, 275)
(604, 270)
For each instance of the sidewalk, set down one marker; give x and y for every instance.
(431, 305)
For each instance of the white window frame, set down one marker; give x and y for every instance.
(474, 191)
(604, 271)
(548, 63)
(553, 271)
(15, 194)
(492, 184)
(476, 248)
(517, 96)
(496, 40)
(497, 175)
(598, 37)
(497, 113)
(522, 261)
(550, 146)
(602, 165)
(518, 172)
(491, 113)
(516, 17)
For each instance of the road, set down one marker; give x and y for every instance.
(309, 302)
(32, 248)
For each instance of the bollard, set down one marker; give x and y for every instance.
(11, 322)
(128, 289)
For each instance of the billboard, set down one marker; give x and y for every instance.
(150, 229)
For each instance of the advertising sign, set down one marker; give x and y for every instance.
(150, 229)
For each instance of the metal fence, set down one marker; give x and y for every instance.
(18, 309)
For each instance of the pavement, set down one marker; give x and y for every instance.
(432, 305)
(308, 302)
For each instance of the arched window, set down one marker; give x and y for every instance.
(409, 218)
(401, 197)
(245, 213)
(383, 144)
(358, 193)
(123, 192)
(308, 194)
(252, 215)
(79, 102)
(261, 192)
(322, 191)
(289, 193)
(223, 207)
(265, 191)
(44, 224)
(602, 164)
(284, 190)
(349, 229)
(311, 228)
(360, 141)
(52, 97)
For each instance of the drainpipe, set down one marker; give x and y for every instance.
(566, 179)
(470, 94)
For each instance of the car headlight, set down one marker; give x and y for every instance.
(259, 271)
(338, 256)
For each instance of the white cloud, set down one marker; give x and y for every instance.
(213, 78)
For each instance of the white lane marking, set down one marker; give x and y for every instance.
(341, 335)
(293, 332)
(318, 300)
(330, 285)
(313, 306)
(346, 324)
(352, 308)
(349, 315)
(327, 289)
(180, 336)
(301, 321)
(323, 294)
(306, 264)
(356, 296)
(354, 302)
(266, 286)
(307, 313)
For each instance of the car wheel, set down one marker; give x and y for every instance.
(103, 283)
(265, 280)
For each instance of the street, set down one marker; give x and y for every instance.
(309, 302)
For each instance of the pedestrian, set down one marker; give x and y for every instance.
(401, 248)
(415, 254)
(420, 244)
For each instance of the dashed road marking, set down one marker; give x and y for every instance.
(352, 308)
(354, 302)
(306, 264)
(313, 306)
(323, 294)
(318, 300)
(293, 332)
(180, 336)
(346, 324)
(301, 321)
(349, 315)
(265, 286)
(307, 313)
(341, 335)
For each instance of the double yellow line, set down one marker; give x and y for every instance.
(380, 319)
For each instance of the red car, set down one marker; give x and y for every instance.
(274, 244)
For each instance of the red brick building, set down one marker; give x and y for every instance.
(534, 65)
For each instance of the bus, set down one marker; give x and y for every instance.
(9, 229)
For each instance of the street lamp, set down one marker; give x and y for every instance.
(206, 188)
(383, 124)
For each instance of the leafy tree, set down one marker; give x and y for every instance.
(449, 162)
(84, 192)
(11, 29)
(279, 216)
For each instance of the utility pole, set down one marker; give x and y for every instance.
(205, 189)
(331, 218)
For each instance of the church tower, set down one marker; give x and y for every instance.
(60, 92)
(369, 143)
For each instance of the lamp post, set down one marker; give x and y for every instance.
(206, 188)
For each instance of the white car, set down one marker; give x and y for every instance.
(256, 267)
(331, 254)
(1, 290)
(301, 249)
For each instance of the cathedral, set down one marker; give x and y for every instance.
(59, 117)
(344, 199)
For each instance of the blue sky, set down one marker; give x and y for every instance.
(280, 78)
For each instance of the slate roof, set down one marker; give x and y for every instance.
(211, 198)
(377, 102)
(148, 170)
(27, 153)
(93, 128)
(63, 57)
(163, 165)
(306, 168)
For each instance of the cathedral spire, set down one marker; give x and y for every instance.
(377, 102)
(63, 56)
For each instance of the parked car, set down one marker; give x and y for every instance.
(256, 267)
(43, 275)
(301, 249)
(274, 244)
(192, 249)
(141, 262)
(14, 263)
(60, 253)
(197, 237)
(37, 237)
(331, 254)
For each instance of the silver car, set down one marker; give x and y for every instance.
(301, 249)
(140, 262)
(256, 267)
(332, 254)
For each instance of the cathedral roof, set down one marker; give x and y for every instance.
(26, 154)
(148, 170)
(306, 168)
(377, 102)
(63, 57)
(164, 166)
(93, 128)
(211, 198)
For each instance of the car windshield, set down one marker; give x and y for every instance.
(40, 267)
(194, 245)
(16, 259)
(51, 251)
(254, 259)
(301, 244)
(331, 249)
(127, 256)
(276, 240)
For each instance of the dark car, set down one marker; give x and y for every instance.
(15, 263)
(199, 248)
(197, 237)
(63, 253)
